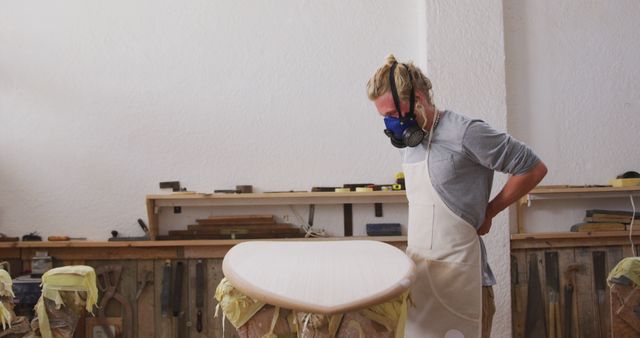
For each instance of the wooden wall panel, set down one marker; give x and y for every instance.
(145, 320)
(590, 311)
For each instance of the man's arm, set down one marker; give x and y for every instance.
(516, 187)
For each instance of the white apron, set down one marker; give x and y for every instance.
(446, 250)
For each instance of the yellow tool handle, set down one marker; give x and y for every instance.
(558, 324)
(552, 321)
(58, 238)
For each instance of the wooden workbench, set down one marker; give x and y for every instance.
(590, 318)
(142, 258)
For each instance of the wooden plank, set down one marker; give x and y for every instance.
(18, 250)
(206, 252)
(192, 311)
(126, 287)
(568, 243)
(614, 256)
(145, 326)
(584, 292)
(152, 217)
(235, 220)
(218, 228)
(542, 190)
(9, 253)
(337, 197)
(520, 214)
(226, 231)
(163, 323)
(537, 308)
(574, 235)
(182, 318)
(106, 253)
(15, 267)
(214, 275)
(566, 259)
(173, 236)
(519, 294)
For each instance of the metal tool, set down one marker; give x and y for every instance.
(536, 324)
(165, 301)
(515, 284)
(166, 289)
(599, 280)
(175, 187)
(177, 298)
(65, 238)
(568, 297)
(116, 238)
(148, 279)
(5, 238)
(32, 237)
(108, 278)
(41, 262)
(200, 285)
(553, 286)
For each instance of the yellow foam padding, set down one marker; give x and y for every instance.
(624, 182)
(392, 314)
(74, 278)
(239, 308)
(6, 290)
(6, 284)
(236, 307)
(628, 267)
(5, 316)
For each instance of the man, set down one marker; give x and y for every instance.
(449, 162)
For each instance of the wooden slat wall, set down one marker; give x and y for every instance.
(147, 319)
(589, 317)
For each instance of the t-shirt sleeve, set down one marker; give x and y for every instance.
(497, 150)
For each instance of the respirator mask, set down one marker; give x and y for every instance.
(403, 131)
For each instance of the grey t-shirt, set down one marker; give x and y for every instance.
(464, 155)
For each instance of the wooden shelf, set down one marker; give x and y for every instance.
(183, 243)
(155, 202)
(570, 192)
(546, 240)
(284, 198)
(189, 249)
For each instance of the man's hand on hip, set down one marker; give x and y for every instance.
(486, 226)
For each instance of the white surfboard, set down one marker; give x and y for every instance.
(325, 277)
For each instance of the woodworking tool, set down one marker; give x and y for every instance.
(200, 285)
(166, 289)
(535, 324)
(148, 280)
(108, 278)
(65, 238)
(177, 297)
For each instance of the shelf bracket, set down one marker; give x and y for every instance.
(348, 219)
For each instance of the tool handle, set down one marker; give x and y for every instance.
(58, 238)
(199, 321)
(568, 306)
(177, 289)
(166, 288)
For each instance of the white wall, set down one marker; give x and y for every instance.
(465, 49)
(574, 96)
(99, 101)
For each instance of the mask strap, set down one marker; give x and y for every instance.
(396, 98)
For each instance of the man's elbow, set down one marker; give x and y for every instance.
(539, 171)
